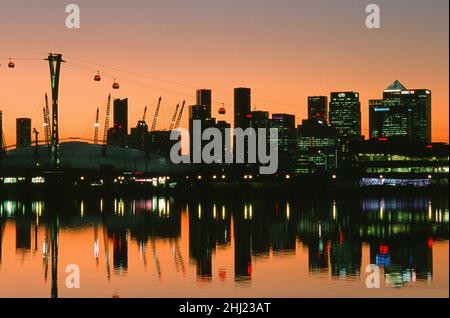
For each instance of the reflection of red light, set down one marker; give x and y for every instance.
(138, 172)
(222, 275)
(341, 237)
(249, 269)
(384, 249)
(430, 243)
(249, 116)
(383, 139)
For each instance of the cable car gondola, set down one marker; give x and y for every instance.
(222, 111)
(11, 64)
(115, 85)
(97, 77)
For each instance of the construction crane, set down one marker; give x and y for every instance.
(105, 133)
(96, 127)
(174, 118)
(145, 114)
(180, 115)
(155, 118)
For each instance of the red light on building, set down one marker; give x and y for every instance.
(249, 116)
(383, 139)
(430, 243)
(430, 146)
(384, 249)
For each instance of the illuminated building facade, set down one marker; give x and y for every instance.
(317, 147)
(345, 114)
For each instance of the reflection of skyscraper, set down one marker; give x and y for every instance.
(120, 250)
(23, 132)
(345, 257)
(318, 108)
(201, 241)
(242, 249)
(318, 256)
(1, 238)
(345, 114)
(404, 261)
(23, 233)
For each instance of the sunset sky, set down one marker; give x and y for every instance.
(284, 50)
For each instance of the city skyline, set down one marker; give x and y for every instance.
(277, 86)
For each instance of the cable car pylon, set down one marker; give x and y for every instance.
(54, 61)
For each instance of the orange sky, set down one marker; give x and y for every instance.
(284, 50)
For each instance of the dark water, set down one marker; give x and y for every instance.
(177, 247)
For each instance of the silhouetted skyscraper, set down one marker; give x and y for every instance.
(287, 139)
(318, 107)
(345, 114)
(202, 114)
(226, 137)
(23, 132)
(121, 114)
(118, 134)
(242, 102)
(204, 98)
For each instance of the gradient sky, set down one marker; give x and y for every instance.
(284, 50)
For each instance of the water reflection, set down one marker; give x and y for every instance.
(399, 234)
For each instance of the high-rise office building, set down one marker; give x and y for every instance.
(345, 114)
(201, 114)
(317, 146)
(318, 107)
(224, 128)
(118, 134)
(389, 119)
(287, 139)
(242, 102)
(121, 114)
(406, 113)
(204, 98)
(23, 132)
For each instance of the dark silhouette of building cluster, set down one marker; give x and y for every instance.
(329, 142)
